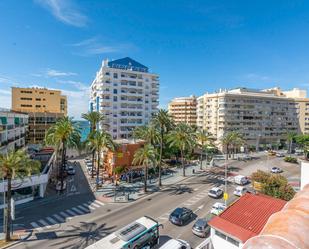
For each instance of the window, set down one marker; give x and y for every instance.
(26, 105)
(115, 76)
(38, 99)
(115, 91)
(115, 98)
(221, 235)
(51, 93)
(26, 92)
(38, 106)
(234, 242)
(26, 98)
(227, 238)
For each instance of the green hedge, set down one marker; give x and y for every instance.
(290, 159)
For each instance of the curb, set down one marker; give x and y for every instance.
(18, 241)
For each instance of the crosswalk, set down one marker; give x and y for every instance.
(81, 209)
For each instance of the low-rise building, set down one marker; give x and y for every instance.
(242, 220)
(183, 110)
(13, 128)
(44, 107)
(122, 156)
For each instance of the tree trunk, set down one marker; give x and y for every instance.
(92, 166)
(62, 166)
(8, 211)
(98, 168)
(160, 160)
(145, 178)
(183, 164)
(201, 158)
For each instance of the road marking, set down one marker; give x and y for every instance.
(51, 220)
(64, 215)
(195, 189)
(59, 218)
(77, 210)
(163, 218)
(93, 204)
(44, 223)
(35, 226)
(83, 208)
(88, 206)
(73, 188)
(71, 213)
(100, 203)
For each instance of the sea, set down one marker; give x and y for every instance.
(84, 128)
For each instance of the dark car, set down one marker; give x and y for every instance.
(71, 170)
(180, 215)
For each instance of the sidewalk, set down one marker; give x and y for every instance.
(128, 192)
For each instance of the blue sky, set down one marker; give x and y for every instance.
(195, 46)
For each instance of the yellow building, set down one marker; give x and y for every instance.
(183, 110)
(44, 107)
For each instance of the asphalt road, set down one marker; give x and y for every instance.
(85, 229)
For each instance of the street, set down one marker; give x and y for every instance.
(79, 231)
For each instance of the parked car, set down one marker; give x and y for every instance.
(215, 192)
(180, 215)
(280, 154)
(71, 170)
(176, 244)
(201, 228)
(240, 190)
(217, 208)
(58, 185)
(271, 153)
(276, 170)
(241, 180)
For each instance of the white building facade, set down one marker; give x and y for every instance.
(126, 93)
(13, 127)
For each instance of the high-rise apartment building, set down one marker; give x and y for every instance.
(44, 107)
(126, 93)
(13, 126)
(183, 110)
(262, 117)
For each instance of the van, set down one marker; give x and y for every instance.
(241, 180)
(176, 244)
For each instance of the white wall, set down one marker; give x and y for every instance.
(304, 174)
(219, 243)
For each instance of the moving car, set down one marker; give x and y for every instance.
(71, 170)
(241, 180)
(240, 190)
(215, 192)
(201, 228)
(176, 244)
(276, 170)
(58, 185)
(217, 208)
(180, 215)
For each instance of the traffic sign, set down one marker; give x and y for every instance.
(225, 196)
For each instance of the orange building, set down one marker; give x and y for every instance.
(122, 156)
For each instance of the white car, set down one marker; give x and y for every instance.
(276, 170)
(215, 192)
(239, 191)
(241, 180)
(176, 244)
(217, 208)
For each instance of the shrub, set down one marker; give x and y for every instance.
(290, 159)
(260, 176)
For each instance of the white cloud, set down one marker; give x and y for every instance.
(56, 73)
(94, 46)
(64, 11)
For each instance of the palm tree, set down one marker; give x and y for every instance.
(145, 156)
(148, 133)
(204, 138)
(290, 136)
(230, 139)
(163, 122)
(63, 134)
(15, 165)
(100, 141)
(183, 138)
(94, 119)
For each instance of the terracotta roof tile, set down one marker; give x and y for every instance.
(247, 216)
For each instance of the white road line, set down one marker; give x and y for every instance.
(163, 218)
(96, 205)
(35, 226)
(77, 210)
(51, 220)
(88, 206)
(44, 223)
(100, 203)
(71, 213)
(58, 218)
(65, 215)
(83, 208)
